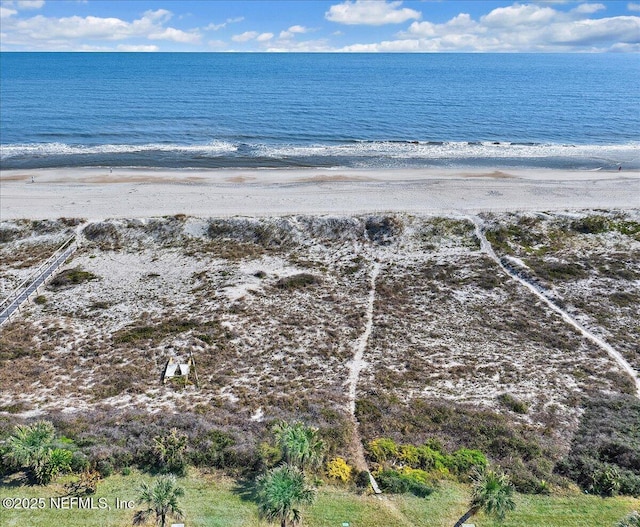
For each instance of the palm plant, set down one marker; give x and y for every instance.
(32, 447)
(171, 450)
(492, 493)
(300, 444)
(632, 520)
(161, 499)
(280, 492)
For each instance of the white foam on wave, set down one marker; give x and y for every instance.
(357, 150)
(56, 149)
(451, 150)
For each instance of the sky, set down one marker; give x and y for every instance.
(319, 26)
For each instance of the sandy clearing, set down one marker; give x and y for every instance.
(95, 194)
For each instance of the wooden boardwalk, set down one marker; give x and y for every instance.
(37, 279)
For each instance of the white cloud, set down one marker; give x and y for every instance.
(458, 24)
(252, 35)
(625, 29)
(519, 15)
(42, 28)
(292, 31)
(520, 27)
(6, 12)
(245, 37)
(588, 9)
(137, 48)
(40, 32)
(625, 48)
(216, 27)
(30, 4)
(264, 37)
(159, 15)
(371, 13)
(297, 29)
(175, 35)
(307, 46)
(536, 26)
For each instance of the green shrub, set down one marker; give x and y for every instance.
(212, 450)
(504, 441)
(8, 235)
(383, 449)
(409, 455)
(412, 481)
(630, 228)
(104, 468)
(34, 447)
(632, 520)
(170, 450)
(70, 277)
(431, 459)
(270, 455)
(163, 328)
(362, 479)
(592, 225)
(605, 454)
(605, 481)
(297, 281)
(79, 462)
(339, 469)
(464, 461)
(58, 461)
(513, 403)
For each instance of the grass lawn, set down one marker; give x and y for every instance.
(444, 507)
(213, 500)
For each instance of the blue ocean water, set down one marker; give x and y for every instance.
(319, 110)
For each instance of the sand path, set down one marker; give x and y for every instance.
(355, 367)
(613, 353)
(358, 363)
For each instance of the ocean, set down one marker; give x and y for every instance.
(209, 110)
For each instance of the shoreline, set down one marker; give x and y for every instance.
(97, 193)
(269, 174)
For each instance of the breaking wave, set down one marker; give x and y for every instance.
(357, 154)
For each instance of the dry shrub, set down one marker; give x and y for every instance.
(70, 277)
(298, 281)
(18, 340)
(102, 233)
(383, 229)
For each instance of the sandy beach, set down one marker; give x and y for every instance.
(97, 193)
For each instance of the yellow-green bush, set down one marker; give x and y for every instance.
(409, 455)
(339, 469)
(382, 449)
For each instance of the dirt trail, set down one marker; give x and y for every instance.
(614, 354)
(357, 363)
(355, 367)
